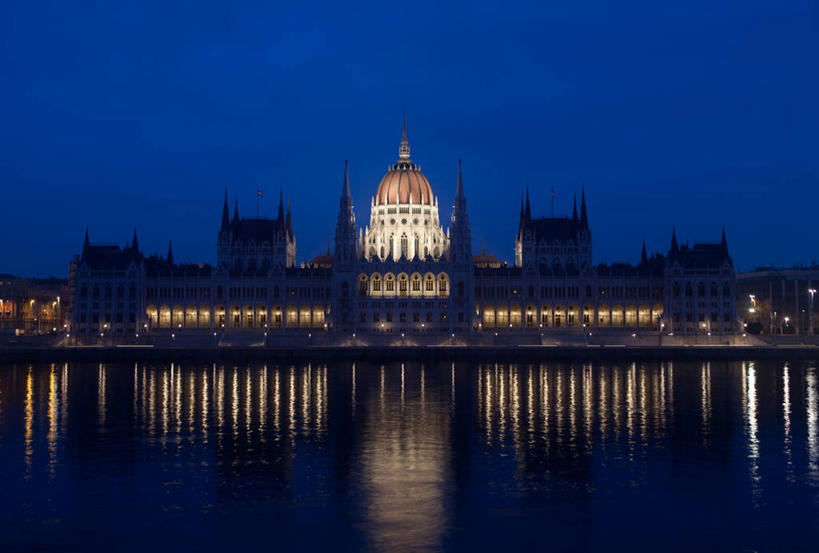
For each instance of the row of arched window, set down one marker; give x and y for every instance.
(531, 316)
(236, 316)
(403, 285)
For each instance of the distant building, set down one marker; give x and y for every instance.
(779, 300)
(33, 305)
(403, 273)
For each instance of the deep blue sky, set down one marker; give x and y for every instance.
(123, 114)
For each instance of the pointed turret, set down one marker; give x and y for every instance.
(345, 185)
(528, 212)
(135, 242)
(675, 247)
(574, 209)
(170, 253)
(459, 186)
(724, 241)
(584, 220)
(236, 209)
(643, 254)
(86, 243)
(345, 237)
(225, 213)
(289, 220)
(280, 216)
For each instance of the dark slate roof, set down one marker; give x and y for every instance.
(651, 267)
(554, 228)
(255, 230)
(701, 256)
(156, 266)
(109, 256)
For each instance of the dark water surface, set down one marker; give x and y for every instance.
(193, 457)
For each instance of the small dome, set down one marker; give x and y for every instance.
(404, 182)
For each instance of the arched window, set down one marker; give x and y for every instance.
(676, 290)
(461, 289)
(726, 290)
(345, 289)
(416, 283)
(362, 285)
(403, 285)
(404, 246)
(689, 291)
(701, 290)
(376, 283)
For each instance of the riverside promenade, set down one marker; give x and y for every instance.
(519, 353)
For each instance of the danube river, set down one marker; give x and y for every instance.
(409, 457)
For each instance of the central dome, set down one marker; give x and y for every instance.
(404, 183)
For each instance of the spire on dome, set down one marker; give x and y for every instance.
(724, 240)
(404, 149)
(225, 213)
(584, 219)
(170, 253)
(236, 209)
(574, 209)
(86, 242)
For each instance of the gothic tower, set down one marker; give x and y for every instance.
(344, 259)
(460, 260)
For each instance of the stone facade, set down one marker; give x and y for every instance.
(403, 274)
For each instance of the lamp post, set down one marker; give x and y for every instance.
(811, 291)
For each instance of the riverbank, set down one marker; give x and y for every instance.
(352, 353)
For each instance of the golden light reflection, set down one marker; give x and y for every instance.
(813, 419)
(751, 422)
(786, 418)
(705, 398)
(404, 467)
(28, 422)
(101, 402)
(51, 437)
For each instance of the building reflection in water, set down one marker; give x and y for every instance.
(404, 462)
(399, 432)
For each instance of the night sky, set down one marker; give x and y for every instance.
(122, 114)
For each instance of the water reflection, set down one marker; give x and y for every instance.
(404, 450)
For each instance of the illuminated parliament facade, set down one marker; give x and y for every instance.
(403, 274)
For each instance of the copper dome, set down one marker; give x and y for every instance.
(404, 182)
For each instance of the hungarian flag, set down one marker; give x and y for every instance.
(259, 193)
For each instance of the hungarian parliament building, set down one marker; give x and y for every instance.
(404, 273)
